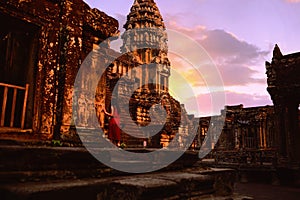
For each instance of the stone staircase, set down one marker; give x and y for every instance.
(41, 172)
(129, 129)
(25, 164)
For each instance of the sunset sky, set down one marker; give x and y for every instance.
(238, 35)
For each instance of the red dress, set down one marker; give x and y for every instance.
(114, 131)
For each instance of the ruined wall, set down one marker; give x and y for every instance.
(244, 128)
(67, 31)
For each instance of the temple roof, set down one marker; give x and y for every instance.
(144, 14)
(145, 29)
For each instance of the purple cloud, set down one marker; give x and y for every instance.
(235, 59)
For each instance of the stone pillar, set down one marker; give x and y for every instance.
(265, 132)
(157, 82)
(141, 78)
(147, 76)
(165, 84)
(44, 100)
(260, 134)
(280, 130)
(287, 131)
(293, 133)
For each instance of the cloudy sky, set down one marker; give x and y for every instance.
(238, 36)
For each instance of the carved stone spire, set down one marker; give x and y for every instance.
(144, 14)
(276, 52)
(145, 39)
(144, 27)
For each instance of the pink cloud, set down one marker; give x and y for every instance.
(205, 105)
(293, 1)
(248, 100)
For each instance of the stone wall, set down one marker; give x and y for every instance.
(66, 33)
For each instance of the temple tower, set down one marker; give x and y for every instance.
(147, 71)
(284, 88)
(145, 39)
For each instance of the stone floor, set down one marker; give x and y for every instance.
(260, 191)
(169, 186)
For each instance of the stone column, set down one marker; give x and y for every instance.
(265, 132)
(140, 73)
(147, 76)
(260, 134)
(293, 133)
(157, 82)
(280, 130)
(165, 83)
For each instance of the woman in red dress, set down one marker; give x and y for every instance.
(114, 131)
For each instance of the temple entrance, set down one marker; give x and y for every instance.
(18, 55)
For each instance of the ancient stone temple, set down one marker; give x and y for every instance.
(284, 87)
(145, 70)
(42, 45)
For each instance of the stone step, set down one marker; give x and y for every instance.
(40, 172)
(230, 197)
(162, 186)
(46, 158)
(152, 186)
(23, 163)
(47, 175)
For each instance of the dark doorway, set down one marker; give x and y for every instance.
(18, 56)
